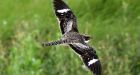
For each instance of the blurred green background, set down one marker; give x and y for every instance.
(113, 24)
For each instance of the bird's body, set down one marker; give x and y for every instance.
(72, 37)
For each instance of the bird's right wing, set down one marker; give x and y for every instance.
(66, 18)
(89, 57)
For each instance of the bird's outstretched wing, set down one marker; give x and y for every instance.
(66, 18)
(89, 57)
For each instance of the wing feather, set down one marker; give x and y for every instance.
(67, 19)
(89, 57)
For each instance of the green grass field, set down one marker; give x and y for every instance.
(113, 24)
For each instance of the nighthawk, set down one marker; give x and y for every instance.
(72, 37)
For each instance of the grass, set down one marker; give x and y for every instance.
(113, 24)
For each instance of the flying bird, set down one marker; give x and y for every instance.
(72, 37)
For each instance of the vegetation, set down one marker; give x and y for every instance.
(113, 24)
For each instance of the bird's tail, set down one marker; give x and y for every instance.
(58, 42)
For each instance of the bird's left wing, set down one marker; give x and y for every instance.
(66, 18)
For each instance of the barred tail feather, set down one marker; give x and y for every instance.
(58, 42)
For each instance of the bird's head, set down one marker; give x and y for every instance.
(87, 38)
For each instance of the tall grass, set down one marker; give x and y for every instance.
(113, 24)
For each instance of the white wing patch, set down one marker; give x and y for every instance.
(63, 10)
(92, 61)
